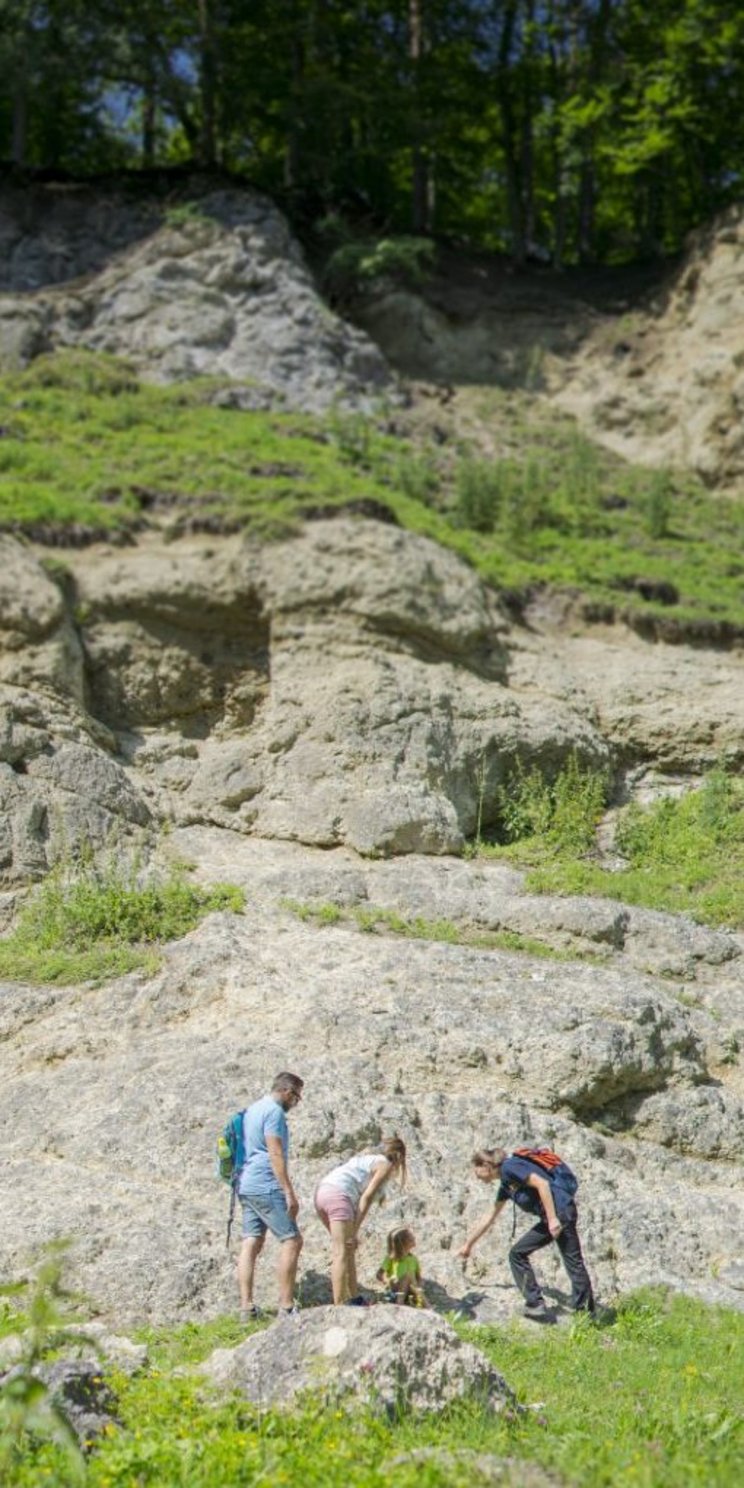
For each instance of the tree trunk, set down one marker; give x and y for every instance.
(20, 120)
(149, 123)
(207, 85)
(509, 128)
(420, 191)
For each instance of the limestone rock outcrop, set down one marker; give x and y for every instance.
(666, 387)
(320, 720)
(120, 1091)
(353, 685)
(214, 285)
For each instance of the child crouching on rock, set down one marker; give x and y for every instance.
(400, 1270)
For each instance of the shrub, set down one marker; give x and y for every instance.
(479, 493)
(103, 917)
(356, 265)
(658, 503)
(416, 476)
(28, 1412)
(563, 812)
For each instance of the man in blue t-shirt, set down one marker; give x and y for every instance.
(266, 1193)
(531, 1188)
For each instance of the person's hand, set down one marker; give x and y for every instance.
(463, 1251)
(293, 1204)
(555, 1227)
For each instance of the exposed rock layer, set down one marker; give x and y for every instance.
(355, 684)
(212, 286)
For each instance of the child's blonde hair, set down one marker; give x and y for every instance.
(396, 1242)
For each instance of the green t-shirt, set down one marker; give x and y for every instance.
(398, 1270)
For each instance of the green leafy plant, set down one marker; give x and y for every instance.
(681, 854)
(28, 1411)
(104, 916)
(561, 813)
(356, 265)
(658, 503)
(479, 493)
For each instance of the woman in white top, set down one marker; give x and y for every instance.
(343, 1200)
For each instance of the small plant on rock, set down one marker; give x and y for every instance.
(28, 1410)
(103, 917)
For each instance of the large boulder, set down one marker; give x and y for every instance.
(212, 285)
(389, 1359)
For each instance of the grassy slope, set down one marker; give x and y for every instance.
(651, 1400)
(83, 443)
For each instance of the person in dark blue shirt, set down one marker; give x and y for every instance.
(534, 1190)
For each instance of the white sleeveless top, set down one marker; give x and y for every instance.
(351, 1178)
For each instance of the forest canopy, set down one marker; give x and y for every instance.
(574, 131)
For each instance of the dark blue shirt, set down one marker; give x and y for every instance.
(515, 1172)
(515, 1175)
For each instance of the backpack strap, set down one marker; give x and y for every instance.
(231, 1213)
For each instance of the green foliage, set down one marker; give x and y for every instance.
(560, 813)
(186, 214)
(607, 132)
(669, 1366)
(85, 440)
(685, 855)
(28, 1412)
(100, 918)
(479, 494)
(416, 475)
(374, 920)
(355, 266)
(659, 503)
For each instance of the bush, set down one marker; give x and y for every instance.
(28, 1412)
(658, 503)
(479, 494)
(98, 918)
(562, 813)
(356, 265)
(417, 477)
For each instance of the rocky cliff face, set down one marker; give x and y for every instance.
(214, 286)
(354, 685)
(656, 376)
(317, 720)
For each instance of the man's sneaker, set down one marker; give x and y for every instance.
(357, 1302)
(250, 1314)
(289, 1312)
(535, 1310)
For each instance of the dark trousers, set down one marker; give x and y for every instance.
(569, 1245)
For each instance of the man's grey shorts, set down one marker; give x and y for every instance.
(262, 1212)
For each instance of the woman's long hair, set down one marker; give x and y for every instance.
(394, 1149)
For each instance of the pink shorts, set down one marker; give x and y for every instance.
(331, 1203)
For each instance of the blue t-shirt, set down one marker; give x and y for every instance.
(265, 1118)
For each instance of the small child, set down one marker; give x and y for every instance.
(401, 1271)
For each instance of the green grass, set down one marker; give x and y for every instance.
(374, 920)
(651, 1400)
(95, 920)
(85, 443)
(681, 855)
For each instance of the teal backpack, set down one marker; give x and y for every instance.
(230, 1160)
